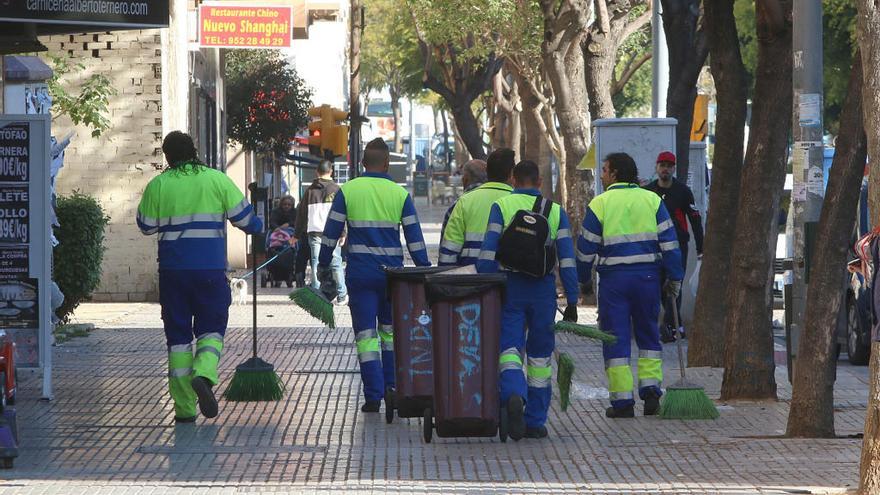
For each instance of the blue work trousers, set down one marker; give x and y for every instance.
(629, 302)
(371, 319)
(527, 328)
(194, 303)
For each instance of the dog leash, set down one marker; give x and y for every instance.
(264, 265)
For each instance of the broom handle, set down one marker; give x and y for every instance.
(254, 278)
(672, 303)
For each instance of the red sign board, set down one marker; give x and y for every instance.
(244, 26)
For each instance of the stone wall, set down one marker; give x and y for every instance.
(116, 167)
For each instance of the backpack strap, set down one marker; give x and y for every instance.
(543, 206)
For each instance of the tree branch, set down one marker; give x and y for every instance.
(602, 15)
(634, 64)
(637, 24)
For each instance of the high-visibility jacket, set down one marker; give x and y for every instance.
(500, 216)
(467, 224)
(628, 228)
(188, 207)
(373, 207)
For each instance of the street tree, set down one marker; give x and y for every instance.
(812, 397)
(688, 48)
(565, 28)
(616, 21)
(748, 350)
(390, 56)
(706, 339)
(266, 101)
(631, 85)
(454, 39)
(868, 30)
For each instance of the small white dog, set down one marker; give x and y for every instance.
(238, 286)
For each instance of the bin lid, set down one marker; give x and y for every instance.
(413, 273)
(446, 287)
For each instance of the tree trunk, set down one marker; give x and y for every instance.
(395, 112)
(687, 54)
(461, 153)
(812, 398)
(535, 145)
(706, 338)
(600, 56)
(869, 45)
(468, 129)
(748, 354)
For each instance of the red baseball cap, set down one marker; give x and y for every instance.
(666, 156)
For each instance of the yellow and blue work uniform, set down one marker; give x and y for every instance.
(373, 207)
(529, 302)
(464, 232)
(629, 236)
(188, 207)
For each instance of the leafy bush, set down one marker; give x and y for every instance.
(77, 257)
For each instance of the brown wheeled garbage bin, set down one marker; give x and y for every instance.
(413, 360)
(466, 313)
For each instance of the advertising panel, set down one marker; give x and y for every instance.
(132, 14)
(244, 26)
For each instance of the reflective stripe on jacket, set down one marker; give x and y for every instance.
(188, 208)
(373, 207)
(628, 227)
(467, 224)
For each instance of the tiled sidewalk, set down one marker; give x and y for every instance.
(110, 429)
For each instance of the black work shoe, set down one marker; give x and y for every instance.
(623, 412)
(370, 406)
(536, 432)
(667, 334)
(207, 401)
(652, 403)
(515, 417)
(178, 419)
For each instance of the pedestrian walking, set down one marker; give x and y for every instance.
(473, 175)
(462, 238)
(526, 234)
(372, 208)
(679, 201)
(628, 235)
(311, 216)
(187, 205)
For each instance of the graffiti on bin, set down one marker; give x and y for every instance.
(420, 341)
(469, 347)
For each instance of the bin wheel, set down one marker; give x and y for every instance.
(503, 424)
(428, 425)
(389, 405)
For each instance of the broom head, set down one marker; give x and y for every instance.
(564, 372)
(585, 331)
(687, 401)
(315, 304)
(254, 380)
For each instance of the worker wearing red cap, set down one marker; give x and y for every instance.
(679, 201)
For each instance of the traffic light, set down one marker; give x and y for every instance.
(327, 138)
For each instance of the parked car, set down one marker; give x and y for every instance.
(855, 336)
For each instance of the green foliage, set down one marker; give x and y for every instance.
(468, 27)
(390, 54)
(266, 101)
(77, 257)
(89, 107)
(839, 44)
(634, 98)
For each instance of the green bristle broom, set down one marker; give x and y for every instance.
(315, 304)
(685, 400)
(254, 379)
(565, 363)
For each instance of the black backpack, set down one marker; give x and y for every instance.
(526, 245)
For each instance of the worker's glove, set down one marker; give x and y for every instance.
(571, 313)
(671, 289)
(328, 283)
